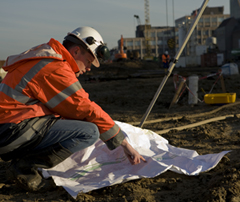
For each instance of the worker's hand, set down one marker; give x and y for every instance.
(133, 156)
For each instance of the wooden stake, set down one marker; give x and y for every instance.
(223, 84)
(175, 97)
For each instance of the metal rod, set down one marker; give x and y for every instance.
(167, 12)
(173, 11)
(174, 62)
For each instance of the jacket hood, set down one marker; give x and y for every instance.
(52, 49)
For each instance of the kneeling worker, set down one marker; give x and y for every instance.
(45, 114)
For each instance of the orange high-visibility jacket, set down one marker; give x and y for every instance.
(165, 58)
(42, 81)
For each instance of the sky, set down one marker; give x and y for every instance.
(27, 23)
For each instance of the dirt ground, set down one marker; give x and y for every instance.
(125, 90)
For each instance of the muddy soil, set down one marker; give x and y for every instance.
(125, 90)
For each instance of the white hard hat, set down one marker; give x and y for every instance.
(93, 41)
(166, 52)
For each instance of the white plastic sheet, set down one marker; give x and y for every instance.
(96, 167)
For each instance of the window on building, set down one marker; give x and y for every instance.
(199, 41)
(152, 43)
(137, 43)
(199, 32)
(214, 19)
(159, 34)
(164, 42)
(207, 20)
(179, 24)
(159, 42)
(206, 32)
(129, 43)
(167, 33)
(220, 19)
(152, 34)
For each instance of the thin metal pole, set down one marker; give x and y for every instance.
(167, 13)
(173, 13)
(174, 62)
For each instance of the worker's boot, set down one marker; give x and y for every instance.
(25, 170)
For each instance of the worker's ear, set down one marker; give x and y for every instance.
(74, 51)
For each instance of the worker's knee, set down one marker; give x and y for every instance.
(86, 136)
(94, 133)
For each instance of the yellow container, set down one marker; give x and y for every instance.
(220, 98)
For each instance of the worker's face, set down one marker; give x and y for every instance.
(83, 60)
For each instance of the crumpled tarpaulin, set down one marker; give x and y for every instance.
(96, 166)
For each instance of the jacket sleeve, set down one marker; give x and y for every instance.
(63, 94)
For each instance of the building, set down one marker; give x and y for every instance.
(228, 33)
(160, 40)
(211, 18)
(225, 40)
(172, 38)
(235, 8)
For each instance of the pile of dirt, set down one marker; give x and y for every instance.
(125, 90)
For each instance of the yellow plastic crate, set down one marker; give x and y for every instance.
(220, 98)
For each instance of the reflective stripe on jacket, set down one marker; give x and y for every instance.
(42, 81)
